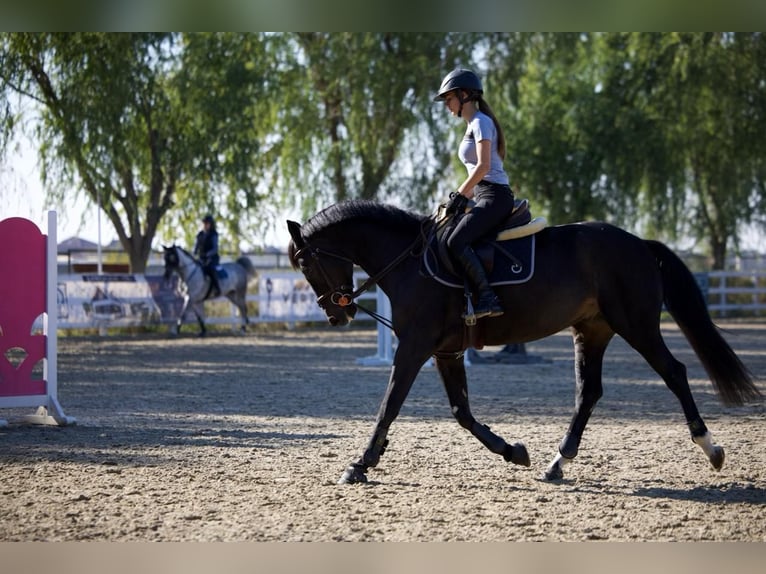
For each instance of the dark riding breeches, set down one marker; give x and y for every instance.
(209, 264)
(494, 203)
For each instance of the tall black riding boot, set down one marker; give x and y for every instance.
(215, 289)
(488, 304)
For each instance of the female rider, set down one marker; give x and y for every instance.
(482, 151)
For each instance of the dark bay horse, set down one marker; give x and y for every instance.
(232, 281)
(595, 278)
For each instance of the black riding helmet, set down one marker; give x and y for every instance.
(460, 79)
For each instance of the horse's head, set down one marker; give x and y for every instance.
(171, 260)
(330, 275)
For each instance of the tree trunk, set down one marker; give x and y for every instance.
(718, 252)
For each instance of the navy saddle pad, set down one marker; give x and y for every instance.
(512, 261)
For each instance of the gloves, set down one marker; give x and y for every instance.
(457, 203)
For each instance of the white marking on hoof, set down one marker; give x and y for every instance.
(714, 452)
(706, 443)
(555, 469)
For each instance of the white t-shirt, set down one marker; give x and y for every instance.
(481, 127)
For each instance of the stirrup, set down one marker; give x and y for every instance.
(470, 315)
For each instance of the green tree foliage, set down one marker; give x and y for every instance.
(357, 120)
(660, 131)
(663, 133)
(141, 123)
(161, 128)
(549, 105)
(699, 103)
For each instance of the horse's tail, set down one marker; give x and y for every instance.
(247, 264)
(685, 302)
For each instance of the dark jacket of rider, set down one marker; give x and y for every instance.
(206, 245)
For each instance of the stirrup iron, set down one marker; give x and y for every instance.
(470, 315)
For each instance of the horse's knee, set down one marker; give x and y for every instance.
(591, 397)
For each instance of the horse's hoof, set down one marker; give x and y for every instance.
(553, 472)
(517, 454)
(716, 459)
(352, 475)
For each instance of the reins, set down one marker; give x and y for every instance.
(382, 273)
(340, 297)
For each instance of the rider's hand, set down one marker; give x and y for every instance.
(457, 203)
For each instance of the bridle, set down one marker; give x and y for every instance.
(345, 295)
(183, 265)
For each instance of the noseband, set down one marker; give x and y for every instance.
(345, 295)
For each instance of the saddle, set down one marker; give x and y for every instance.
(216, 275)
(221, 272)
(507, 253)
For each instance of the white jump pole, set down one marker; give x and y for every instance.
(53, 414)
(385, 351)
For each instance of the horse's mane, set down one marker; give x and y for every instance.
(360, 211)
(182, 250)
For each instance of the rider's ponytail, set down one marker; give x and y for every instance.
(485, 109)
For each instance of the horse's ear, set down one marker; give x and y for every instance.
(295, 232)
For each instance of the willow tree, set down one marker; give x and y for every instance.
(139, 122)
(701, 102)
(662, 132)
(357, 120)
(546, 98)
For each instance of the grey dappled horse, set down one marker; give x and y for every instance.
(232, 283)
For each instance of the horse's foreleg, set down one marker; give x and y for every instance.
(182, 314)
(452, 372)
(403, 373)
(199, 312)
(590, 345)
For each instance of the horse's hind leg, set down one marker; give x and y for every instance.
(590, 342)
(240, 300)
(452, 372)
(673, 372)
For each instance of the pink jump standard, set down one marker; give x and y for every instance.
(27, 291)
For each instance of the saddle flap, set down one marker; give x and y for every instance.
(507, 263)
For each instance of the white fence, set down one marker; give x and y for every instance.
(125, 300)
(103, 301)
(740, 293)
(302, 306)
